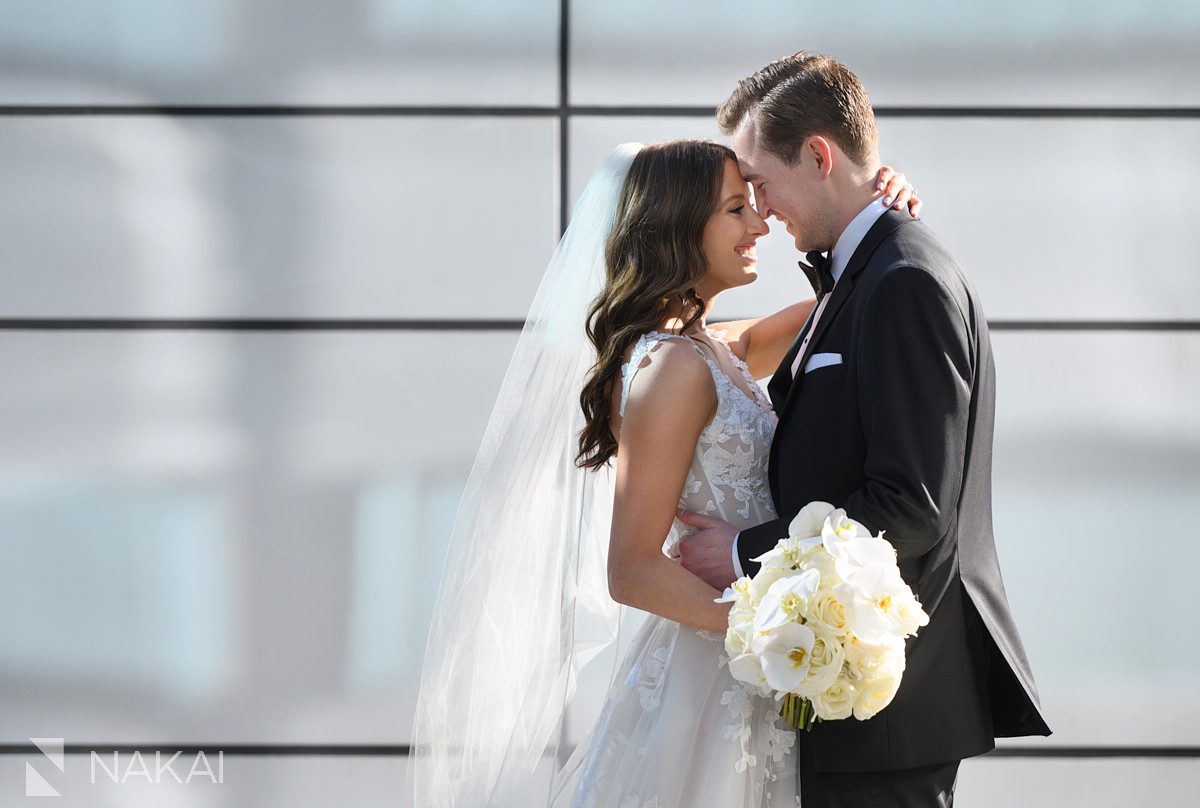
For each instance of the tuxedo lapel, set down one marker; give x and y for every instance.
(781, 380)
(883, 227)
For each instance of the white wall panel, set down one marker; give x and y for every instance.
(271, 217)
(442, 52)
(228, 536)
(1048, 217)
(1076, 53)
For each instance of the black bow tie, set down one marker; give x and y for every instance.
(818, 272)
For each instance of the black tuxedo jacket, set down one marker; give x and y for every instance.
(900, 435)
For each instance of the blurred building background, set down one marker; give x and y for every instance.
(262, 265)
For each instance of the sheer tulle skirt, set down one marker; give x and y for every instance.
(677, 730)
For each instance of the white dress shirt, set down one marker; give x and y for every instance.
(843, 249)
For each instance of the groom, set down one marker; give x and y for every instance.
(886, 403)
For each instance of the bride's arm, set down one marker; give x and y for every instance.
(761, 343)
(670, 401)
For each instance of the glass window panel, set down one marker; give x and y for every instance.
(236, 536)
(446, 52)
(1096, 463)
(991, 782)
(229, 536)
(246, 217)
(1076, 52)
(315, 781)
(1046, 221)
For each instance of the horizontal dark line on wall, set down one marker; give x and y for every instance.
(403, 750)
(368, 324)
(253, 324)
(1094, 325)
(273, 111)
(249, 750)
(502, 111)
(1096, 752)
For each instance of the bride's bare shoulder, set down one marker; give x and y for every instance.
(670, 376)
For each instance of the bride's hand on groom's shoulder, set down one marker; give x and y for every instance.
(897, 191)
(708, 553)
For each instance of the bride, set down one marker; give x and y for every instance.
(620, 405)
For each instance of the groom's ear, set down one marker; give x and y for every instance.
(821, 151)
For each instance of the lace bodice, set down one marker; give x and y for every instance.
(728, 474)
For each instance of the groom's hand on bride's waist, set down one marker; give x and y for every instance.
(706, 553)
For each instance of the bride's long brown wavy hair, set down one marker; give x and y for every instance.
(654, 259)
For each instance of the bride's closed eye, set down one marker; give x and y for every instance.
(738, 210)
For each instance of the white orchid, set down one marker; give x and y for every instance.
(861, 556)
(785, 601)
(748, 668)
(810, 521)
(765, 579)
(735, 591)
(840, 528)
(879, 604)
(787, 553)
(786, 654)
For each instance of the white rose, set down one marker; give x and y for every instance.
(868, 661)
(827, 612)
(739, 635)
(826, 659)
(836, 701)
(821, 561)
(874, 695)
(809, 521)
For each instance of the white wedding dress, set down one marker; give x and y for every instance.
(676, 730)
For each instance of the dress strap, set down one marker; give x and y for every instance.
(641, 348)
(759, 396)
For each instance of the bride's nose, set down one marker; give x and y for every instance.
(758, 225)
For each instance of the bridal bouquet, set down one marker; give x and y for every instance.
(822, 625)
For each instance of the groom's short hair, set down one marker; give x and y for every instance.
(802, 95)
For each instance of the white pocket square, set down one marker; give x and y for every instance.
(822, 360)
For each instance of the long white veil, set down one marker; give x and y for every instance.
(523, 603)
